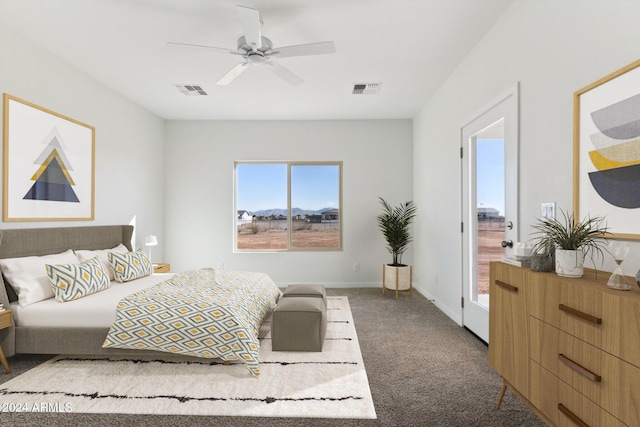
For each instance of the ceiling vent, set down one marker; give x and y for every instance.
(366, 88)
(191, 90)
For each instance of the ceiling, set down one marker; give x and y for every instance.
(409, 46)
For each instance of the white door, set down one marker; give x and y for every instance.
(489, 202)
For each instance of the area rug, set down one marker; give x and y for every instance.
(328, 384)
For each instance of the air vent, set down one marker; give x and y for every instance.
(191, 90)
(366, 88)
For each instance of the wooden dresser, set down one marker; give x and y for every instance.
(570, 348)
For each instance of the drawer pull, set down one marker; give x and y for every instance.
(579, 368)
(507, 286)
(580, 314)
(573, 417)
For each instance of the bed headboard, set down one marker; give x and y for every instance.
(21, 242)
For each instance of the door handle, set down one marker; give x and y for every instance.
(506, 243)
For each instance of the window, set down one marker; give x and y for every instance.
(288, 206)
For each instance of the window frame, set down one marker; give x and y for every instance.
(289, 164)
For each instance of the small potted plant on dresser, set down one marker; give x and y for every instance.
(572, 240)
(394, 222)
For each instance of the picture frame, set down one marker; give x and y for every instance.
(48, 164)
(606, 151)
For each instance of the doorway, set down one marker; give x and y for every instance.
(489, 151)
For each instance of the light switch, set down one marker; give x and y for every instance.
(549, 210)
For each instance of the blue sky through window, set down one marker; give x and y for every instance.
(261, 186)
(314, 187)
(264, 186)
(490, 173)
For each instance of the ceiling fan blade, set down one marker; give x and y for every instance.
(201, 48)
(283, 73)
(250, 19)
(320, 48)
(232, 74)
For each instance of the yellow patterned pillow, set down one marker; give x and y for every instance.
(73, 281)
(130, 265)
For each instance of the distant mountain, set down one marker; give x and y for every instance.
(294, 211)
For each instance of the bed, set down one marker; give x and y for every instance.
(50, 327)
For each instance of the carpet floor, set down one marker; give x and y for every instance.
(423, 370)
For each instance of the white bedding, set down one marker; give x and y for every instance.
(93, 311)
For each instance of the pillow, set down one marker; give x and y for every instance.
(73, 281)
(85, 255)
(130, 265)
(28, 275)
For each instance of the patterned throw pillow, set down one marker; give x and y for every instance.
(73, 281)
(130, 265)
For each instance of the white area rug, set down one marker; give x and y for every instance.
(328, 384)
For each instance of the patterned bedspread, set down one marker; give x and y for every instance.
(204, 313)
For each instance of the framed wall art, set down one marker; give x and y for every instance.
(606, 165)
(48, 164)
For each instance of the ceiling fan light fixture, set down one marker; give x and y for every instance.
(258, 50)
(256, 59)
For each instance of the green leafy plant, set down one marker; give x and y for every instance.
(394, 223)
(569, 234)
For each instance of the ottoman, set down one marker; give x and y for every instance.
(299, 324)
(316, 291)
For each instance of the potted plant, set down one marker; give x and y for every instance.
(572, 240)
(394, 222)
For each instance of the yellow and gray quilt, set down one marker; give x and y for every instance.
(203, 313)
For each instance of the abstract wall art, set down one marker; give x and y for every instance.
(48, 164)
(606, 167)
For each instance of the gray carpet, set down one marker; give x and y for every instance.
(423, 369)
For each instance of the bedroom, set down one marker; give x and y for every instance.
(550, 47)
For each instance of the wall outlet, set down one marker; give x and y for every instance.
(221, 266)
(356, 266)
(549, 210)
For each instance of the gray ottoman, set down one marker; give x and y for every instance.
(299, 324)
(316, 291)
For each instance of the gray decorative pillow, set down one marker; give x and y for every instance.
(129, 266)
(73, 281)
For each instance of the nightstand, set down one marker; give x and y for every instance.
(6, 320)
(161, 268)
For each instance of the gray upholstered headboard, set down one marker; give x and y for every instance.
(43, 241)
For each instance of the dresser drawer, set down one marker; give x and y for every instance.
(581, 315)
(543, 296)
(621, 325)
(5, 319)
(563, 405)
(574, 409)
(599, 376)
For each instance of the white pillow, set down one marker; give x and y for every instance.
(28, 275)
(85, 255)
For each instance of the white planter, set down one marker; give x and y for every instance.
(569, 263)
(396, 278)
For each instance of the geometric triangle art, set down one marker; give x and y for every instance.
(55, 143)
(52, 179)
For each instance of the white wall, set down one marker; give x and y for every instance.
(199, 213)
(553, 48)
(129, 139)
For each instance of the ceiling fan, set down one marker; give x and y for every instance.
(258, 50)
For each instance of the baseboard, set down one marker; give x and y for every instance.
(335, 284)
(456, 317)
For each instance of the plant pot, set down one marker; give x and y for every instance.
(397, 278)
(569, 263)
